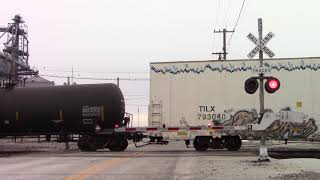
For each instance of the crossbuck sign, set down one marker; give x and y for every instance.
(260, 45)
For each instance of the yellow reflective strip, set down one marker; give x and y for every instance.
(182, 133)
(299, 104)
(102, 113)
(17, 116)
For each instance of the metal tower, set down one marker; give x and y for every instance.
(14, 60)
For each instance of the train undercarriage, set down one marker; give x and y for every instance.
(120, 142)
(112, 142)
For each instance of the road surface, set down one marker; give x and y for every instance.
(173, 161)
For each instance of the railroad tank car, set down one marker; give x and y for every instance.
(75, 109)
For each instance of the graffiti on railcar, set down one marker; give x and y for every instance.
(308, 130)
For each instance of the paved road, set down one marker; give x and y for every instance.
(173, 161)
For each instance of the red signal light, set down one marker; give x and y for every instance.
(272, 85)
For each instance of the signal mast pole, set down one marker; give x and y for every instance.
(261, 78)
(252, 84)
(261, 95)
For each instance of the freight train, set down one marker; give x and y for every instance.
(95, 112)
(65, 110)
(203, 101)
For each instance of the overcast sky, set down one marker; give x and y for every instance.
(97, 37)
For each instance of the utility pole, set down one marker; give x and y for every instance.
(218, 53)
(68, 80)
(138, 117)
(72, 76)
(118, 81)
(224, 48)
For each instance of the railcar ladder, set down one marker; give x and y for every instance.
(156, 114)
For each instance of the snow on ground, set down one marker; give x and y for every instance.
(249, 168)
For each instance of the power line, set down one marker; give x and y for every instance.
(235, 26)
(98, 72)
(216, 23)
(225, 9)
(239, 14)
(218, 12)
(102, 79)
(227, 13)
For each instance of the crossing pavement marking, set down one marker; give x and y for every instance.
(95, 168)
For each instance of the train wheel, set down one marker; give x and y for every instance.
(83, 143)
(233, 143)
(87, 143)
(123, 145)
(201, 143)
(152, 139)
(119, 143)
(216, 143)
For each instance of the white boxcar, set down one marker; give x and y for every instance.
(194, 93)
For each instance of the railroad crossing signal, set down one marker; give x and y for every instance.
(272, 84)
(251, 85)
(260, 45)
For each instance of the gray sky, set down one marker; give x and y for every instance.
(97, 37)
